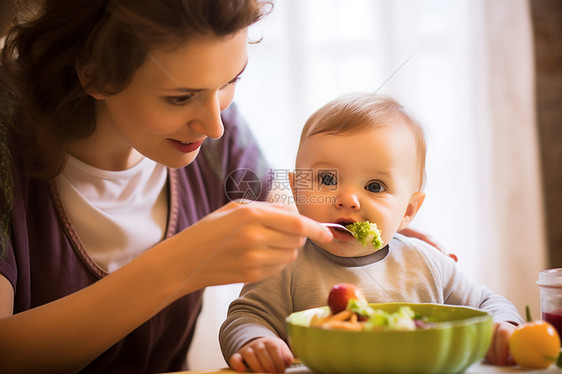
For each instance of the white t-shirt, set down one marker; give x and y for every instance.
(116, 214)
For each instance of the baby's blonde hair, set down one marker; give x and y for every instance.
(358, 111)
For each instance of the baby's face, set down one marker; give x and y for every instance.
(368, 175)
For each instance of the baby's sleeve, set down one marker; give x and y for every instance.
(259, 311)
(459, 289)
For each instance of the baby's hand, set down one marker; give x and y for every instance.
(263, 355)
(498, 353)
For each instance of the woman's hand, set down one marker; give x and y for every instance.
(242, 242)
(263, 355)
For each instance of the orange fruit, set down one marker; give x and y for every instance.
(535, 345)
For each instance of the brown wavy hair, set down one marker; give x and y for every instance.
(40, 57)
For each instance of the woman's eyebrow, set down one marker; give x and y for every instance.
(193, 90)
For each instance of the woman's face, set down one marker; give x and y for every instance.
(172, 104)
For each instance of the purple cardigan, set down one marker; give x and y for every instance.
(45, 260)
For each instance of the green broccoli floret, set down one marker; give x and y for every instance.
(399, 320)
(366, 232)
(360, 307)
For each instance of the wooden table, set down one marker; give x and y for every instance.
(477, 368)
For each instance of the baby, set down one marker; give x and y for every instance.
(361, 158)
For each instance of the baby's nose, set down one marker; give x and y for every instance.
(348, 200)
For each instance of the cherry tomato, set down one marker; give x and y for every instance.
(340, 295)
(535, 344)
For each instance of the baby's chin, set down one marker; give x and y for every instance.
(347, 248)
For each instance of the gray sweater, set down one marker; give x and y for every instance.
(407, 270)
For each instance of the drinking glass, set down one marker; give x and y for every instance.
(550, 285)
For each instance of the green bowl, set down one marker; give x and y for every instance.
(460, 336)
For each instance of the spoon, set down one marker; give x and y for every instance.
(336, 226)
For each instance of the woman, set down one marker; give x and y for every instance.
(113, 188)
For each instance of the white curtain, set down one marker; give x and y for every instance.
(464, 68)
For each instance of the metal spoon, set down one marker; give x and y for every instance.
(336, 226)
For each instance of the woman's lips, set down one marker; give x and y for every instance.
(185, 147)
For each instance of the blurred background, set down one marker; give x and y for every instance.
(484, 77)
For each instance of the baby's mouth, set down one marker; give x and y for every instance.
(344, 223)
(341, 233)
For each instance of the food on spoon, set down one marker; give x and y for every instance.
(366, 232)
(341, 294)
(534, 344)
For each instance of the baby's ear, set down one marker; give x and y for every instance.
(412, 209)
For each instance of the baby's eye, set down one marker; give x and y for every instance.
(375, 187)
(327, 179)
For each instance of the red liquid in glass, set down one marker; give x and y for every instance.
(555, 319)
